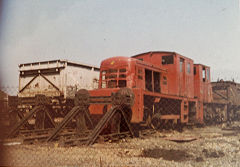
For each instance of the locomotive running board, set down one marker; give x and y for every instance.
(75, 110)
(23, 121)
(105, 119)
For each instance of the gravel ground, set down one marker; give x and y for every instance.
(213, 147)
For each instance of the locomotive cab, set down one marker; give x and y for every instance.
(179, 71)
(202, 83)
(116, 72)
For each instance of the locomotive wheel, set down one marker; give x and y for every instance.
(174, 124)
(156, 121)
(148, 117)
(148, 121)
(160, 124)
(179, 126)
(170, 125)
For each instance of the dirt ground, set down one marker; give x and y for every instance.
(212, 147)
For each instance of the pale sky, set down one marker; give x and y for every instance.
(208, 31)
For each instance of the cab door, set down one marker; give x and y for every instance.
(182, 77)
(139, 79)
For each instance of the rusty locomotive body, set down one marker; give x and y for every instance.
(169, 89)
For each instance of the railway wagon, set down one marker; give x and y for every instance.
(53, 82)
(167, 89)
(225, 106)
(56, 78)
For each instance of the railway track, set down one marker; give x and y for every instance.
(69, 137)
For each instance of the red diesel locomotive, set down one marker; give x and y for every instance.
(169, 89)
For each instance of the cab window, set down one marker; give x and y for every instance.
(167, 60)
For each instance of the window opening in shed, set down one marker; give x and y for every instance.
(148, 80)
(167, 59)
